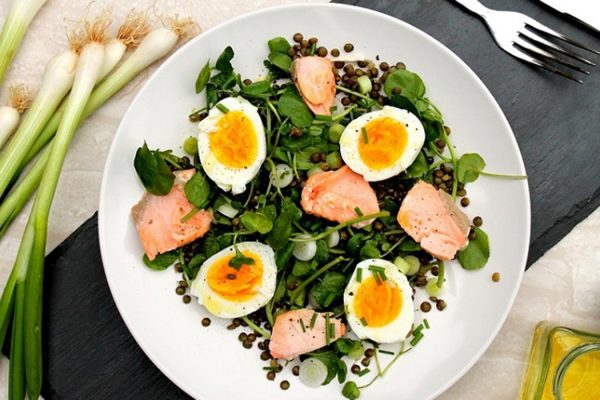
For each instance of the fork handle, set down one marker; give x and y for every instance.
(474, 6)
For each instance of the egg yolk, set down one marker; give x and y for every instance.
(376, 302)
(382, 142)
(234, 142)
(232, 284)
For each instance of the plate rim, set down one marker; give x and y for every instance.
(441, 47)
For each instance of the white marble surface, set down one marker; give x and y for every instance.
(562, 286)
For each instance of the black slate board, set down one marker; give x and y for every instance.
(91, 355)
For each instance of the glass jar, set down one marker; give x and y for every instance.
(564, 364)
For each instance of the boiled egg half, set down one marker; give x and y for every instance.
(378, 302)
(232, 144)
(381, 144)
(229, 292)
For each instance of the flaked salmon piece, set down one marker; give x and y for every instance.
(336, 195)
(315, 81)
(158, 219)
(289, 340)
(433, 219)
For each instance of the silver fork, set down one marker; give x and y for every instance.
(527, 39)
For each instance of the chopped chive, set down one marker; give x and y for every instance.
(329, 299)
(222, 108)
(376, 268)
(332, 109)
(426, 323)
(382, 275)
(363, 372)
(276, 369)
(418, 330)
(313, 47)
(323, 117)
(302, 325)
(331, 330)
(365, 137)
(416, 339)
(377, 278)
(313, 319)
(358, 211)
(327, 327)
(363, 321)
(387, 352)
(359, 274)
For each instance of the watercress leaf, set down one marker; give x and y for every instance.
(279, 44)
(410, 84)
(284, 255)
(282, 229)
(351, 391)
(470, 166)
(419, 167)
(349, 347)
(331, 362)
(291, 105)
(224, 80)
(256, 88)
(212, 96)
(301, 268)
(405, 103)
(191, 269)
(433, 129)
(292, 209)
(281, 61)
(211, 246)
(203, 77)
(409, 246)
(329, 289)
(342, 370)
(155, 174)
(280, 290)
(197, 190)
(354, 243)
(322, 253)
(369, 250)
(270, 211)
(223, 63)
(162, 261)
(256, 222)
(281, 155)
(477, 252)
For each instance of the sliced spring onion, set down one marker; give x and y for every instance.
(228, 210)
(364, 84)
(432, 287)
(313, 372)
(333, 239)
(282, 176)
(313, 171)
(408, 265)
(17, 21)
(305, 251)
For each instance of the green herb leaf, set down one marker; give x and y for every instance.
(291, 105)
(410, 84)
(155, 174)
(224, 61)
(211, 245)
(419, 167)
(192, 268)
(256, 222)
(470, 166)
(197, 190)
(301, 268)
(331, 362)
(256, 88)
(322, 254)
(405, 103)
(240, 259)
(279, 44)
(410, 246)
(281, 61)
(281, 232)
(162, 261)
(292, 209)
(351, 391)
(203, 77)
(349, 347)
(329, 289)
(477, 252)
(284, 255)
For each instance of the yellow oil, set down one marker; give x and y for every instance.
(550, 345)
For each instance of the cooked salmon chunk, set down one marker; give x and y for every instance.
(315, 81)
(289, 340)
(338, 195)
(432, 218)
(158, 219)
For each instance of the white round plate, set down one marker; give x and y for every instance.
(209, 363)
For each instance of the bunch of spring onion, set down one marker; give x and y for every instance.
(19, 17)
(19, 100)
(21, 299)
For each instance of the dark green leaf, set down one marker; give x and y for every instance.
(203, 78)
(155, 174)
(291, 105)
(224, 61)
(301, 268)
(470, 166)
(279, 44)
(351, 391)
(284, 255)
(224, 81)
(342, 370)
(409, 246)
(433, 129)
(331, 362)
(419, 167)
(292, 209)
(410, 84)
(211, 246)
(477, 252)
(280, 290)
(329, 289)
(162, 261)
(197, 190)
(282, 229)
(240, 259)
(281, 61)
(270, 211)
(349, 347)
(404, 103)
(322, 253)
(256, 88)
(354, 244)
(369, 251)
(191, 269)
(211, 95)
(256, 222)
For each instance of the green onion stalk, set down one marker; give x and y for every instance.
(15, 26)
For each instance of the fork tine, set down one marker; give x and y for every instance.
(531, 23)
(526, 46)
(539, 40)
(520, 54)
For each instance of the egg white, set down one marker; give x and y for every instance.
(224, 308)
(352, 136)
(398, 328)
(230, 178)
